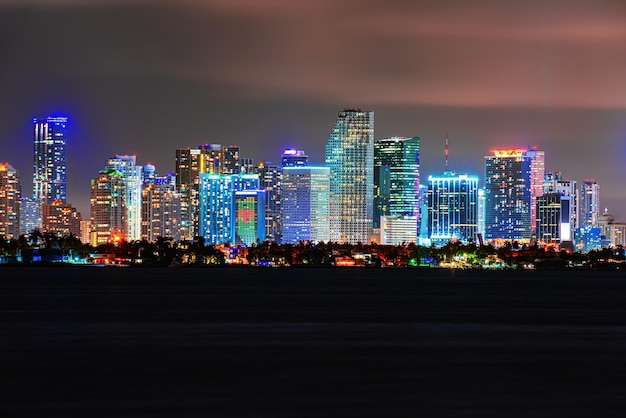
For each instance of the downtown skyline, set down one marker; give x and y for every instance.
(145, 78)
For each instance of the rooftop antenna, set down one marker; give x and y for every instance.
(446, 151)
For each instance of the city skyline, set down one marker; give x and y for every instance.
(167, 77)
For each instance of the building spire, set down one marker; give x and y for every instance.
(446, 151)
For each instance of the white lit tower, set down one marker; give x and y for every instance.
(49, 165)
(589, 203)
(132, 176)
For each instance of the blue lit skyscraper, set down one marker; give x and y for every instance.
(294, 158)
(452, 207)
(396, 178)
(350, 157)
(508, 194)
(49, 164)
(305, 211)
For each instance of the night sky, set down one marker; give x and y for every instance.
(148, 77)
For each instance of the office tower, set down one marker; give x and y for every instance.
(589, 203)
(553, 219)
(398, 230)
(49, 166)
(508, 195)
(148, 174)
(10, 199)
(270, 177)
(216, 201)
(190, 163)
(132, 178)
(230, 157)
(350, 157)
(30, 215)
(108, 207)
(294, 158)
(160, 209)
(61, 219)
(396, 178)
(305, 204)
(481, 215)
(537, 172)
(452, 208)
(423, 215)
(249, 217)
(247, 165)
(554, 183)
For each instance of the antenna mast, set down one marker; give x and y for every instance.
(446, 151)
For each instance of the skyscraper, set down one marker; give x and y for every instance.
(49, 165)
(396, 178)
(160, 207)
(452, 207)
(10, 194)
(350, 157)
(305, 207)
(132, 176)
(294, 158)
(537, 172)
(554, 183)
(508, 195)
(108, 207)
(553, 219)
(270, 177)
(249, 217)
(230, 163)
(589, 203)
(61, 218)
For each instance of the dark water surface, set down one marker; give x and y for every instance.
(123, 342)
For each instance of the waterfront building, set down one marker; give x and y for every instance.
(554, 183)
(61, 218)
(350, 157)
(617, 234)
(508, 196)
(160, 208)
(249, 217)
(10, 200)
(270, 177)
(452, 208)
(216, 196)
(294, 158)
(132, 177)
(30, 215)
(49, 164)
(589, 203)
(396, 178)
(537, 174)
(554, 219)
(481, 215)
(305, 204)
(398, 229)
(108, 207)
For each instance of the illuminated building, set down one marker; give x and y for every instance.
(49, 166)
(190, 163)
(85, 231)
(481, 213)
(247, 165)
(537, 173)
(305, 204)
(230, 155)
(61, 219)
(508, 196)
(160, 208)
(395, 230)
(132, 177)
(396, 178)
(30, 215)
(452, 208)
(216, 202)
(294, 158)
(108, 207)
(553, 219)
(10, 194)
(350, 157)
(270, 178)
(589, 203)
(554, 183)
(617, 234)
(249, 217)
(588, 238)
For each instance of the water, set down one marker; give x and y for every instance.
(125, 342)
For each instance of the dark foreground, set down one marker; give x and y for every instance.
(115, 342)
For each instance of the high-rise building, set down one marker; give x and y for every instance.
(249, 217)
(589, 203)
(49, 165)
(537, 172)
(508, 195)
(247, 165)
(553, 219)
(452, 208)
(61, 219)
(270, 176)
(30, 215)
(216, 203)
(294, 158)
(554, 183)
(108, 207)
(305, 204)
(397, 230)
(230, 164)
(396, 178)
(10, 194)
(160, 208)
(350, 157)
(133, 179)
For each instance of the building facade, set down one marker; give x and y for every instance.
(350, 158)
(132, 177)
(160, 208)
(248, 209)
(108, 207)
(270, 177)
(10, 200)
(553, 219)
(294, 158)
(50, 165)
(589, 203)
(61, 219)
